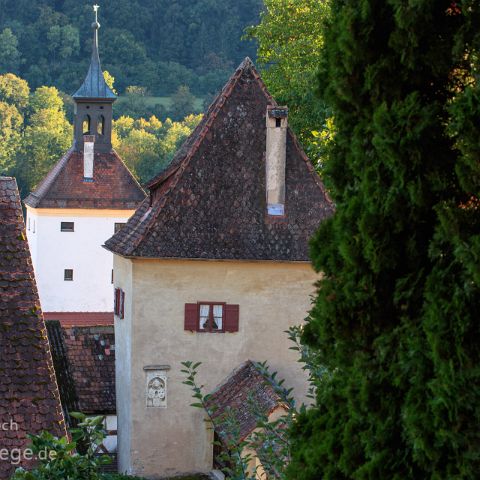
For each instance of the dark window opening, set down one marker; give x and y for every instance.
(278, 122)
(118, 227)
(68, 275)
(67, 226)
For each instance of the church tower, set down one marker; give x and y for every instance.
(86, 197)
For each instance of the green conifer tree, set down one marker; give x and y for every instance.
(396, 315)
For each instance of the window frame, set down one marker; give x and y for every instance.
(65, 279)
(67, 230)
(210, 315)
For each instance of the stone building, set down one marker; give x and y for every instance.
(212, 267)
(29, 399)
(83, 200)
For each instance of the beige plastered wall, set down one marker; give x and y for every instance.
(160, 442)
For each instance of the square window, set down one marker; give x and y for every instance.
(118, 227)
(210, 317)
(67, 227)
(68, 275)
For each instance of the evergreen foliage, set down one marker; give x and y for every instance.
(395, 320)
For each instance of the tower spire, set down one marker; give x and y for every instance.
(93, 103)
(94, 85)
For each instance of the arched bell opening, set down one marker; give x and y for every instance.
(86, 125)
(101, 125)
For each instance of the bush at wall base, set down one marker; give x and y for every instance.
(60, 460)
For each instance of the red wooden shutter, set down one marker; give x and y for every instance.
(232, 315)
(116, 302)
(122, 304)
(191, 317)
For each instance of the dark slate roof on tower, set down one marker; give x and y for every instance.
(114, 186)
(246, 384)
(28, 389)
(210, 202)
(94, 85)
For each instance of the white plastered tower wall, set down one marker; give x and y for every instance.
(53, 251)
(157, 442)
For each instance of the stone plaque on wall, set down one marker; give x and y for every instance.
(156, 387)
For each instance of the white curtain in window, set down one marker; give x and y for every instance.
(217, 317)
(204, 310)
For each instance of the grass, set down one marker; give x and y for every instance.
(165, 101)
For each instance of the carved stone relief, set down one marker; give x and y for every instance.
(156, 389)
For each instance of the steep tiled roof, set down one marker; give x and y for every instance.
(84, 359)
(28, 390)
(114, 187)
(244, 385)
(80, 319)
(210, 202)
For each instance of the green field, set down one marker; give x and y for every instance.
(165, 101)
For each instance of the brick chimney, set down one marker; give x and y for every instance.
(88, 154)
(277, 123)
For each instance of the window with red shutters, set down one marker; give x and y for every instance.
(119, 303)
(116, 302)
(213, 317)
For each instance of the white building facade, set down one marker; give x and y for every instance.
(86, 197)
(74, 273)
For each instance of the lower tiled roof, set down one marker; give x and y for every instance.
(84, 358)
(81, 319)
(247, 383)
(28, 389)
